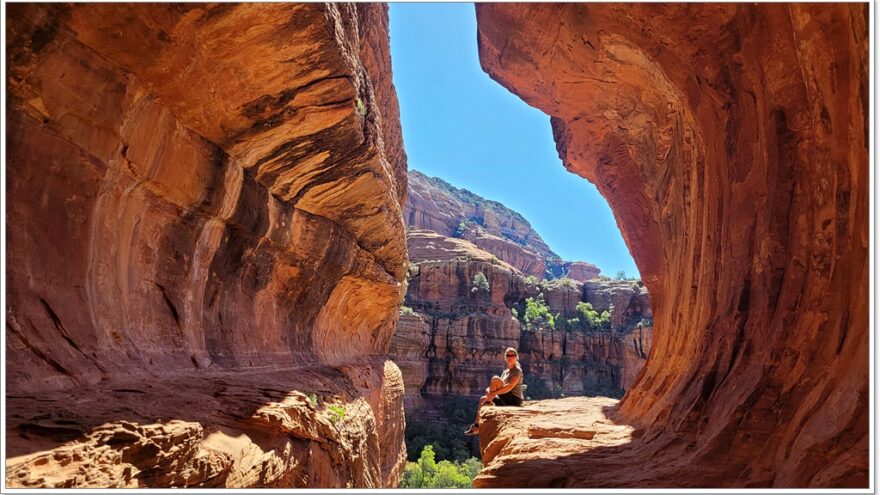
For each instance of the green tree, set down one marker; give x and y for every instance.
(537, 313)
(591, 319)
(428, 473)
(481, 283)
(621, 275)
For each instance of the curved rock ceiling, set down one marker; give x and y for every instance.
(731, 142)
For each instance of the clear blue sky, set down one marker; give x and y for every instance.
(461, 126)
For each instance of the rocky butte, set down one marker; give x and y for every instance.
(453, 332)
(731, 142)
(205, 246)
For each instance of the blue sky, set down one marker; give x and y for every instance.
(461, 126)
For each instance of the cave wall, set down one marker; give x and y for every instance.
(198, 189)
(730, 141)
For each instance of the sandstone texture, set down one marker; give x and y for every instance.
(731, 142)
(204, 228)
(581, 271)
(554, 436)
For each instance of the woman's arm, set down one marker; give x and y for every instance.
(507, 388)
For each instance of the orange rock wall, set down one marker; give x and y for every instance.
(731, 142)
(201, 189)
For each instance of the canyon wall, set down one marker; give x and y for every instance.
(206, 246)
(452, 335)
(731, 142)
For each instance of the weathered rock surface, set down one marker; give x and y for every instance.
(581, 271)
(235, 428)
(434, 204)
(193, 190)
(731, 142)
(553, 436)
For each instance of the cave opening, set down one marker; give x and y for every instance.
(484, 180)
(232, 274)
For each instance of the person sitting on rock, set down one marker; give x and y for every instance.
(504, 390)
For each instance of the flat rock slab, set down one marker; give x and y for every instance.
(547, 434)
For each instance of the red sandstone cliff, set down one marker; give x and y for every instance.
(731, 143)
(206, 246)
(434, 204)
(452, 342)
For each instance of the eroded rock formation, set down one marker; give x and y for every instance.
(433, 204)
(206, 246)
(731, 142)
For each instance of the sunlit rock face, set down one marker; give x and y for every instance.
(198, 194)
(453, 340)
(731, 142)
(433, 204)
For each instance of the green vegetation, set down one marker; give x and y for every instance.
(531, 280)
(359, 105)
(590, 319)
(406, 310)
(313, 400)
(337, 413)
(463, 227)
(428, 473)
(536, 314)
(481, 283)
(621, 275)
(444, 435)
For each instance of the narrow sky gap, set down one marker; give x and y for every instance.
(463, 127)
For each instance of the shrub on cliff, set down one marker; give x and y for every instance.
(536, 314)
(591, 319)
(428, 473)
(480, 283)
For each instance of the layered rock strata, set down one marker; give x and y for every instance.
(436, 205)
(731, 142)
(203, 198)
(452, 336)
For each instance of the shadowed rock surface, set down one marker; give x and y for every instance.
(731, 142)
(202, 198)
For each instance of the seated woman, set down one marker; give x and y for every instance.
(504, 390)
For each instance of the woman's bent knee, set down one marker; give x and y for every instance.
(496, 383)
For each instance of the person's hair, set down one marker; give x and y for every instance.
(511, 349)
